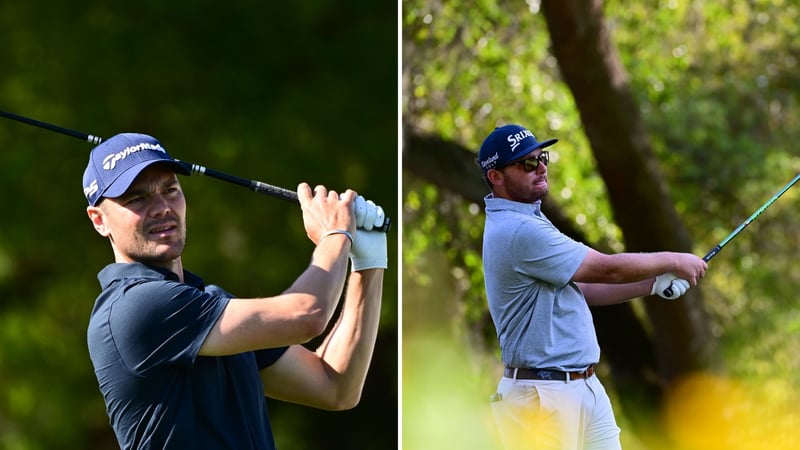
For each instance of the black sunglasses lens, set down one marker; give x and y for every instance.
(530, 164)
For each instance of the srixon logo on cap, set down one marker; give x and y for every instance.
(516, 138)
(110, 161)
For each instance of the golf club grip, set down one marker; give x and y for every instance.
(260, 187)
(707, 258)
(712, 253)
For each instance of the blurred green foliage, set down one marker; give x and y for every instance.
(278, 92)
(716, 83)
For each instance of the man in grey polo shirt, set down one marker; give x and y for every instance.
(539, 285)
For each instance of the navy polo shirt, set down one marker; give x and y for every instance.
(144, 335)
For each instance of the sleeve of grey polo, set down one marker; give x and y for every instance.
(543, 252)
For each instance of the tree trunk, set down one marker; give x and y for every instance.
(591, 68)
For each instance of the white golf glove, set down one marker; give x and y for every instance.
(676, 286)
(368, 214)
(368, 250)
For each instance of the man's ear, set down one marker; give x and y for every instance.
(98, 218)
(494, 176)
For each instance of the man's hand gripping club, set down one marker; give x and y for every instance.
(669, 286)
(368, 214)
(369, 243)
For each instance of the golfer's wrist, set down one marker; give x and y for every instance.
(337, 232)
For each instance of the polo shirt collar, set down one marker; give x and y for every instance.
(119, 271)
(502, 204)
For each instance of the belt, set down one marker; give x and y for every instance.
(545, 374)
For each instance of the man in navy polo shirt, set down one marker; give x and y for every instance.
(184, 365)
(539, 286)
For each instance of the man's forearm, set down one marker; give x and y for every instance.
(629, 267)
(600, 294)
(348, 348)
(324, 278)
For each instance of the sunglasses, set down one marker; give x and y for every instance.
(532, 163)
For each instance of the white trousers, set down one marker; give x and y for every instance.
(546, 414)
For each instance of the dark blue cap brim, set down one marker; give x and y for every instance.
(533, 148)
(124, 181)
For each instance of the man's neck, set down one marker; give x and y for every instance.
(175, 266)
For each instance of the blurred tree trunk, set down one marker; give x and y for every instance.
(591, 67)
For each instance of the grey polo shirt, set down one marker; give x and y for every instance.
(542, 319)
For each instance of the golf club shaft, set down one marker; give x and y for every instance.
(750, 219)
(743, 225)
(253, 185)
(47, 126)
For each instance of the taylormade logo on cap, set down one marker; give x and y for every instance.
(110, 161)
(506, 144)
(116, 162)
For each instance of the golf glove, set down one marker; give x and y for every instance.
(677, 286)
(368, 250)
(368, 214)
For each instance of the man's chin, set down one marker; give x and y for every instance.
(162, 254)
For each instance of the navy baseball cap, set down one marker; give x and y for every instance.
(506, 144)
(116, 162)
